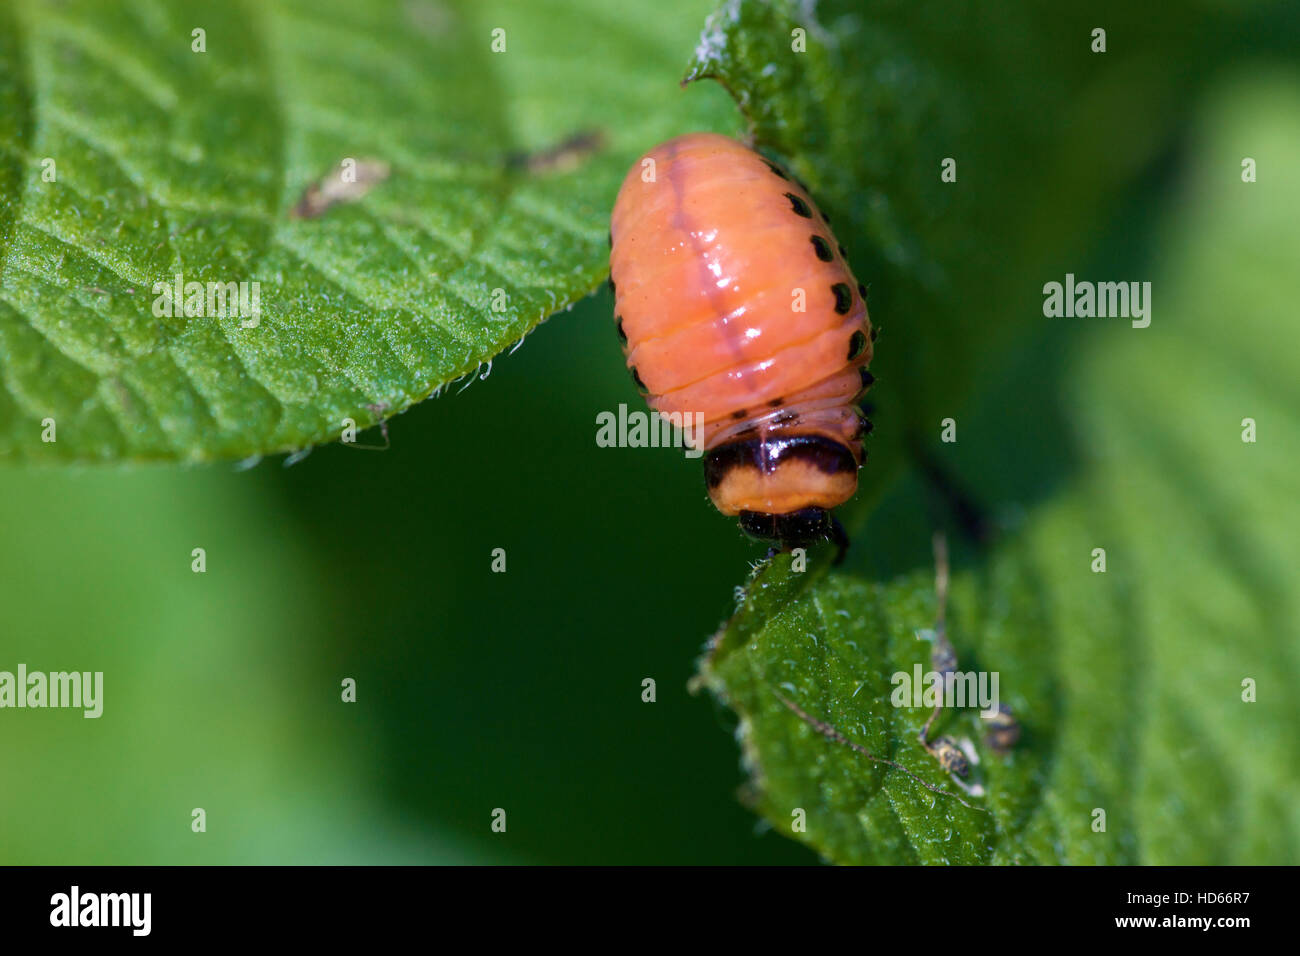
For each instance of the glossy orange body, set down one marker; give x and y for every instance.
(734, 300)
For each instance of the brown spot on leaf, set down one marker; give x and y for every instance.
(561, 158)
(348, 182)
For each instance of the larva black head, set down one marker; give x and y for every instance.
(782, 487)
(793, 530)
(797, 529)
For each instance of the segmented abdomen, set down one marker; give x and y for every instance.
(735, 301)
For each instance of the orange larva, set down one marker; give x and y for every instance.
(712, 251)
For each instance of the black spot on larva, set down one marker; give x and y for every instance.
(825, 218)
(843, 254)
(799, 206)
(618, 324)
(844, 302)
(857, 344)
(862, 291)
(738, 414)
(636, 378)
(612, 290)
(867, 379)
(776, 402)
(776, 169)
(822, 248)
(874, 333)
(864, 427)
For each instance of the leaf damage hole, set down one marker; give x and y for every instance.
(348, 182)
(564, 157)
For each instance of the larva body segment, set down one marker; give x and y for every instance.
(734, 300)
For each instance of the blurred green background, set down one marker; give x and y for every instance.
(522, 690)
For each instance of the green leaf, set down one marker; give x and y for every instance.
(817, 642)
(831, 643)
(1073, 435)
(882, 94)
(173, 161)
